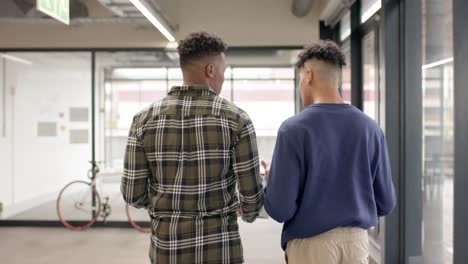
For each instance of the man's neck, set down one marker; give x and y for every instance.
(194, 79)
(327, 95)
(327, 99)
(195, 83)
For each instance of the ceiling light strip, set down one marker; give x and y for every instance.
(437, 63)
(150, 16)
(15, 59)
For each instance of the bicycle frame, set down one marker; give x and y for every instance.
(92, 176)
(97, 183)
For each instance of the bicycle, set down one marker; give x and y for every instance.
(79, 204)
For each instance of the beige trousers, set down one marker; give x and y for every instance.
(344, 245)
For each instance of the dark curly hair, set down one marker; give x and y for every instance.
(200, 44)
(324, 50)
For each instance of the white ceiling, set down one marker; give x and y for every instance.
(239, 22)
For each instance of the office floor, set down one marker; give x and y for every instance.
(124, 245)
(19, 245)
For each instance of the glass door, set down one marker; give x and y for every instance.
(437, 132)
(373, 106)
(370, 57)
(346, 72)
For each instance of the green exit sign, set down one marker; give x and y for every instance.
(58, 9)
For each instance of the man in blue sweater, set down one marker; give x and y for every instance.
(330, 176)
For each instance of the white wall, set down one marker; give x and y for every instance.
(50, 86)
(240, 23)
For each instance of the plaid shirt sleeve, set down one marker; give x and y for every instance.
(135, 180)
(247, 169)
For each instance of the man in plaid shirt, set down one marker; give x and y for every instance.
(192, 161)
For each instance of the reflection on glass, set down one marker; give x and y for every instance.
(369, 8)
(263, 73)
(438, 124)
(267, 94)
(345, 26)
(47, 93)
(127, 98)
(226, 92)
(370, 91)
(139, 73)
(174, 74)
(267, 101)
(126, 82)
(175, 78)
(346, 74)
(2, 97)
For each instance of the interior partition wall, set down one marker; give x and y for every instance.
(46, 129)
(60, 109)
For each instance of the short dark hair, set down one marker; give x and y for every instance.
(324, 50)
(200, 44)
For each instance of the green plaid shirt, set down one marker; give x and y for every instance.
(190, 159)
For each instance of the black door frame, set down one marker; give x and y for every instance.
(460, 209)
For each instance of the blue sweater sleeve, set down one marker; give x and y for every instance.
(384, 190)
(282, 190)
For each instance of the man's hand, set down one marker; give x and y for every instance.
(240, 212)
(267, 170)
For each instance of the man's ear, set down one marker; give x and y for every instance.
(210, 70)
(310, 75)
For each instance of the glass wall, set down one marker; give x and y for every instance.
(369, 8)
(45, 100)
(346, 73)
(370, 75)
(267, 95)
(127, 91)
(436, 110)
(372, 94)
(3, 94)
(48, 129)
(345, 26)
(345, 33)
(6, 186)
(127, 82)
(438, 125)
(2, 97)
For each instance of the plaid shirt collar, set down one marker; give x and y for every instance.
(191, 90)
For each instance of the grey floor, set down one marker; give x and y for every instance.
(21, 245)
(48, 210)
(260, 240)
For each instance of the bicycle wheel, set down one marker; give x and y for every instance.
(75, 207)
(139, 219)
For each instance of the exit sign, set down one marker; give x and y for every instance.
(58, 9)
